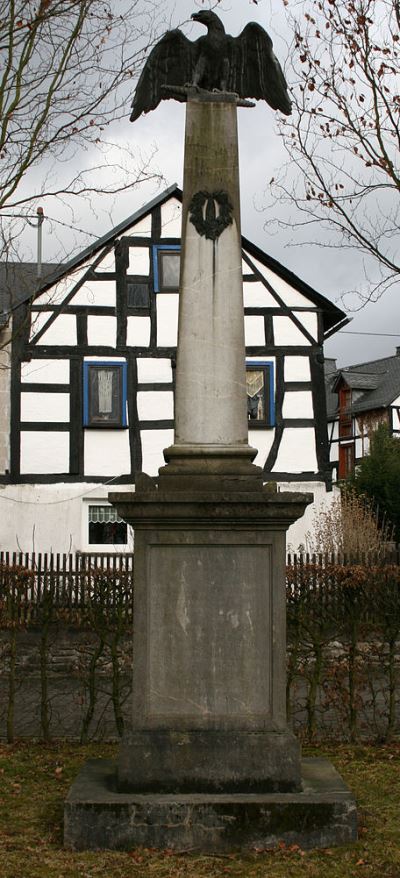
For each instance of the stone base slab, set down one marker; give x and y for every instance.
(97, 817)
(209, 761)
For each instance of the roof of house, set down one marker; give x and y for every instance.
(378, 383)
(21, 279)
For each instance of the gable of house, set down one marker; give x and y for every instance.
(111, 316)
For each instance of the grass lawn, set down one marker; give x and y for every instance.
(34, 780)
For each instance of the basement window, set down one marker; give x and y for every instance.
(106, 528)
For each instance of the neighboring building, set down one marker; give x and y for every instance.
(359, 399)
(93, 371)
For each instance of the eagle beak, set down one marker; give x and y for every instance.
(195, 16)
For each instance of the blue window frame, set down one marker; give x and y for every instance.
(260, 393)
(166, 266)
(105, 394)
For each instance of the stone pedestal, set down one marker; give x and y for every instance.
(209, 762)
(209, 674)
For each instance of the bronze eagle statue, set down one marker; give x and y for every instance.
(245, 65)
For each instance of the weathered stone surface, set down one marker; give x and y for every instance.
(96, 816)
(212, 760)
(209, 642)
(211, 400)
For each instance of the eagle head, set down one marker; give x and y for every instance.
(206, 17)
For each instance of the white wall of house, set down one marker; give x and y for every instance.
(51, 518)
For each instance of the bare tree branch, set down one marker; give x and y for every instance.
(343, 170)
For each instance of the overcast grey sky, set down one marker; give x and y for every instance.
(261, 152)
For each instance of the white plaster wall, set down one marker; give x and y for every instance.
(142, 229)
(171, 219)
(44, 452)
(96, 292)
(255, 295)
(58, 292)
(297, 369)
(297, 451)
(286, 292)
(106, 453)
(139, 260)
(49, 518)
(155, 405)
(152, 370)
(167, 319)
(61, 332)
(334, 452)
(287, 333)
(360, 448)
(102, 330)
(53, 517)
(138, 332)
(153, 444)
(298, 404)
(45, 371)
(323, 499)
(396, 401)
(333, 432)
(254, 331)
(108, 262)
(262, 440)
(45, 407)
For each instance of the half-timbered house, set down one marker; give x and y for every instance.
(92, 390)
(359, 399)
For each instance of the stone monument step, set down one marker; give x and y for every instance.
(97, 817)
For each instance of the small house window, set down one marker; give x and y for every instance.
(106, 528)
(166, 266)
(260, 394)
(137, 295)
(345, 413)
(346, 460)
(104, 394)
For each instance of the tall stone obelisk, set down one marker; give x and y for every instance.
(211, 434)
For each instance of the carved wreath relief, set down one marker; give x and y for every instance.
(211, 213)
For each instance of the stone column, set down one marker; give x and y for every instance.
(211, 434)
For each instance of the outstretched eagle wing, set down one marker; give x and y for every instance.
(171, 62)
(255, 71)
